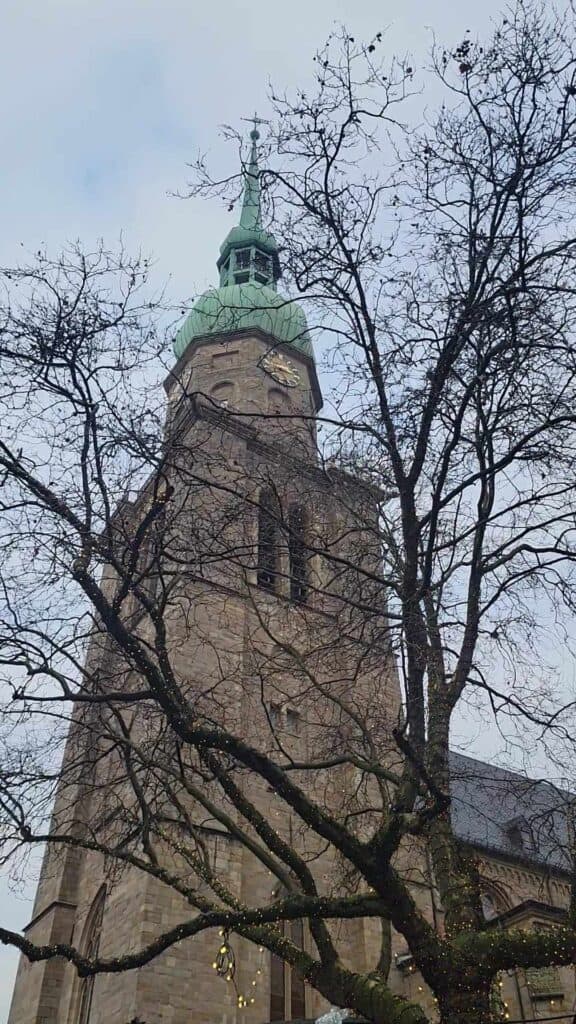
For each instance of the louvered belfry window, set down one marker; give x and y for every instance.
(298, 554)
(268, 537)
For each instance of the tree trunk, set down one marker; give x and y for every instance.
(465, 1006)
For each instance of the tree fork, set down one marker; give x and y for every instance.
(466, 1003)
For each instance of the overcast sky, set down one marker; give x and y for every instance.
(104, 103)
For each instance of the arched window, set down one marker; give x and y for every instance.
(287, 996)
(268, 531)
(488, 904)
(297, 526)
(492, 901)
(278, 401)
(222, 393)
(90, 948)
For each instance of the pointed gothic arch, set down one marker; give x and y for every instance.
(492, 900)
(90, 947)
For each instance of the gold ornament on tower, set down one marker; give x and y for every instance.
(281, 369)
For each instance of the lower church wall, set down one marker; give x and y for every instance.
(181, 986)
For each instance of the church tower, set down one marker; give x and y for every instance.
(251, 568)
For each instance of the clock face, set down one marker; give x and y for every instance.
(281, 369)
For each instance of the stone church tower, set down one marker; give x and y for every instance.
(253, 570)
(261, 544)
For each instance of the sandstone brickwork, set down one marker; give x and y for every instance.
(231, 432)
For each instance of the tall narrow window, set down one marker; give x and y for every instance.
(91, 946)
(277, 989)
(287, 992)
(268, 524)
(297, 552)
(242, 266)
(150, 555)
(297, 1000)
(224, 272)
(242, 259)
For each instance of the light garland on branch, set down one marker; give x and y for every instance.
(498, 1004)
(225, 967)
(225, 962)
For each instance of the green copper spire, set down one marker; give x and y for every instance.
(249, 253)
(249, 266)
(251, 217)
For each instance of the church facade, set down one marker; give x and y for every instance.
(265, 630)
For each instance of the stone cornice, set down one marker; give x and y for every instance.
(517, 860)
(175, 374)
(532, 908)
(51, 906)
(200, 407)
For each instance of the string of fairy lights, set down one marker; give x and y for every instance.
(501, 1008)
(225, 966)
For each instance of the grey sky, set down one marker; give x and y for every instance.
(103, 104)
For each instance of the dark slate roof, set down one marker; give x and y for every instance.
(508, 814)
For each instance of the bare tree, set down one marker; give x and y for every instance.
(440, 262)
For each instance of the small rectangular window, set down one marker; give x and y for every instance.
(292, 721)
(241, 278)
(275, 714)
(224, 360)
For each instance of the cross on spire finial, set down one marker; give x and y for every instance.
(255, 134)
(250, 217)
